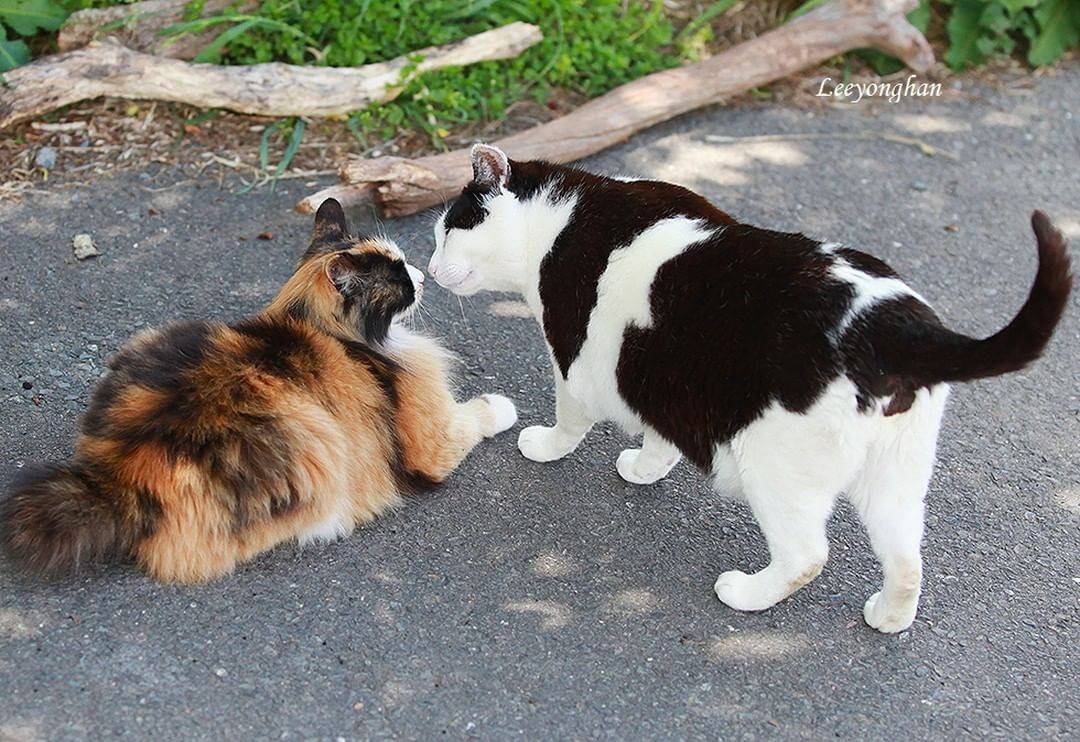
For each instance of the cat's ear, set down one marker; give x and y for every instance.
(330, 228)
(344, 273)
(490, 165)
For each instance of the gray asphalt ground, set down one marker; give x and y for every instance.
(555, 600)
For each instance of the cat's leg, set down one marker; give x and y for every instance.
(889, 496)
(435, 431)
(725, 472)
(651, 462)
(791, 468)
(539, 443)
(892, 511)
(435, 441)
(793, 523)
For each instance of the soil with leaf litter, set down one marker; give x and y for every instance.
(89, 140)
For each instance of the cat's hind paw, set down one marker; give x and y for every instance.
(541, 444)
(736, 590)
(743, 592)
(638, 469)
(888, 619)
(503, 411)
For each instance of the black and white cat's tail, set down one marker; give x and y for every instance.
(945, 356)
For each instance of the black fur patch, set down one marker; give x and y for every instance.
(468, 210)
(411, 482)
(384, 369)
(251, 466)
(570, 271)
(739, 320)
(164, 364)
(280, 348)
(868, 264)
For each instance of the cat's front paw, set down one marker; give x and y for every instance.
(538, 443)
(503, 412)
(638, 469)
(889, 619)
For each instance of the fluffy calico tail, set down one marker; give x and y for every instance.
(942, 355)
(58, 518)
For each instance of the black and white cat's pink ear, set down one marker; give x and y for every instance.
(490, 165)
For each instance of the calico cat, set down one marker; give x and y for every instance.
(787, 369)
(206, 444)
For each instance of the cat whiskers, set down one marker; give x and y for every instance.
(421, 316)
(461, 307)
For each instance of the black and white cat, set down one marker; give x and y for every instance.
(789, 370)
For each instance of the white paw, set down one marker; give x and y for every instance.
(741, 591)
(504, 411)
(538, 443)
(630, 468)
(730, 588)
(878, 615)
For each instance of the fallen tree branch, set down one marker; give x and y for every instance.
(105, 68)
(138, 26)
(401, 186)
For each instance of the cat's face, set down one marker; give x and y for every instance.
(474, 238)
(360, 283)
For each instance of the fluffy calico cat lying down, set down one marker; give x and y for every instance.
(789, 370)
(206, 443)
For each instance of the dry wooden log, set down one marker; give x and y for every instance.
(403, 186)
(105, 68)
(346, 194)
(138, 26)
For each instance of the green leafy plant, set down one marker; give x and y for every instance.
(242, 25)
(589, 47)
(25, 18)
(981, 29)
(293, 129)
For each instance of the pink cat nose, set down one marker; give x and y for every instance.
(448, 275)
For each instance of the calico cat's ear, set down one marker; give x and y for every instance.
(344, 272)
(330, 228)
(490, 165)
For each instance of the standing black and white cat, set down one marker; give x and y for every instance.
(789, 370)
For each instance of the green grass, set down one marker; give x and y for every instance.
(589, 47)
